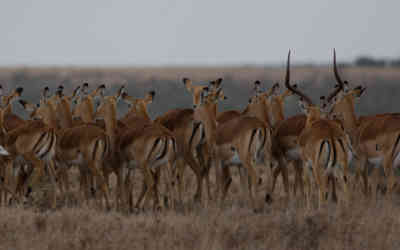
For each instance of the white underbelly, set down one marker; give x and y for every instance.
(377, 161)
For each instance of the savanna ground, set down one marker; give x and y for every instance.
(361, 224)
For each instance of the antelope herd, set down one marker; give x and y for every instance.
(82, 129)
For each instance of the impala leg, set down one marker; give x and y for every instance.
(38, 170)
(387, 166)
(128, 186)
(346, 182)
(180, 169)
(3, 195)
(208, 167)
(285, 180)
(153, 192)
(320, 182)
(362, 167)
(244, 178)
(119, 194)
(83, 186)
(275, 173)
(226, 182)
(249, 164)
(199, 176)
(148, 182)
(298, 177)
(96, 173)
(52, 174)
(170, 184)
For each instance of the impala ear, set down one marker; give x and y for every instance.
(346, 86)
(303, 105)
(28, 106)
(19, 91)
(152, 94)
(121, 92)
(188, 83)
(45, 94)
(85, 88)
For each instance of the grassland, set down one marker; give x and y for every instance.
(361, 224)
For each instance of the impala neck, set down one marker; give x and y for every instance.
(110, 120)
(206, 114)
(141, 111)
(258, 110)
(313, 115)
(350, 121)
(64, 113)
(51, 118)
(86, 109)
(276, 110)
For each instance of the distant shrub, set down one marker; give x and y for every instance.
(365, 61)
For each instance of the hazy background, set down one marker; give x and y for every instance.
(164, 32)
(153, 44)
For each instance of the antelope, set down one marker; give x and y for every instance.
(146, 147)
(318, 141)
(85, 145)
(34, 143)
(8, 121)
(138, 117)
(239, 140)
(190, 130)
(375, 139)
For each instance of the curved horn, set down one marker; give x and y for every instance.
(337, 76)
(338, 79)
(287, 83)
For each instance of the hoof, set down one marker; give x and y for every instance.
(268, 199)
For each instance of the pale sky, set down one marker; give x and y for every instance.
(194, 32)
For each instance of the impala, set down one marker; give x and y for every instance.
(317, 143)
(375, 139)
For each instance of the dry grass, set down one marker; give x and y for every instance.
(363, 224)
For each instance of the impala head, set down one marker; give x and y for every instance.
(343, 101)
(257, 87)
(99, 91)
(215, 85)
(275, 89)
(215, 97)
(108, 105)
(85, 89)
(36, 111)
(346, 102)
(58, 95)
(60, 91)
(305, 102)
(198, 92)
(75, 95)
(8, 99)
(45, 95)
(121, 92)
